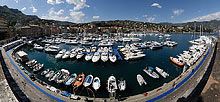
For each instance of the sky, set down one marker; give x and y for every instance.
(156, 11)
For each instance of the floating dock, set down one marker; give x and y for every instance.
(117, 54)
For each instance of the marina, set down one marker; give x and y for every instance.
(174, 70)
(109, 51)
(78, 90)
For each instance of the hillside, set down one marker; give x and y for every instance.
(14, 15)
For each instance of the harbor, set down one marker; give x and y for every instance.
(103, 90)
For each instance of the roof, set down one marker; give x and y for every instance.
(21, 53)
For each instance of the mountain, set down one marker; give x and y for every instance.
(14, 15)
(213, 24)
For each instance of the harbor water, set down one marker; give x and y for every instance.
(120, 69)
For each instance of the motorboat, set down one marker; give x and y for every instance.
(38, 47)
(96, 57)
(150, 71)
(31, 63)
(162, 72)
(66, 55)
(112, 57)
(88, 56)
(177, 61)
(37, 67)
(96, 83)
(63, 77)
(71, 79)
(104, 56)
(73, 53)
(112, 84)
(122, 85)
(134, 56)
(49, 74)
(79, 80)
(45, 72)
(55, 76)
(141, 80)
(49, 50)
(88, 80)
(79, 55)
(60, 54)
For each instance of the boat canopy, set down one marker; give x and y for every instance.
(151, 68)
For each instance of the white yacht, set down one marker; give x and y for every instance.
(66, 55)
(38, 47)
(134, 56)
(60, 54)
(88, 56)
(112, 57)
(79, 55)
(96, 57)
(104, 56)
(162, 72)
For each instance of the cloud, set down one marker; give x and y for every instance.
(34, 10)
(77, 16)
(178, 12)
(53, 15)
(156, 5)
(212, 16)
(96, 17)
(150, 19)
(24, 8)
(79, 4)
(172, 17)
(53, 2)
(53, 12)
(16, 1)
(136, 18)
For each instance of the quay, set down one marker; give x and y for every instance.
(180, 87)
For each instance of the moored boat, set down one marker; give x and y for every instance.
(177, 61)
(162, 72)
(60, 54)
(79, 80)
(45, 72)
(49, 74)
(150, 71)
(141, 80)
(96, 57)
(66, 55)
(104, 56)
(71, 79)
(96, 83)
(88, 56)
(112, 57)
(112, 84)
(79, 55)
(122, 85)
(88, 80)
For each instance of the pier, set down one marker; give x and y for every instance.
(117, 54)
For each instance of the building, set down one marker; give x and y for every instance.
(31, 31)
(3, 28)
